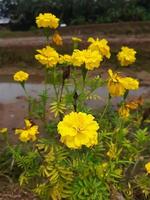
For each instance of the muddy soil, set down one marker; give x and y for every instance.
(11, 191)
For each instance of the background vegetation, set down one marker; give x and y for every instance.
(72, 12)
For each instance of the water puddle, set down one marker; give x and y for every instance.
(10, 91)
(13, 105)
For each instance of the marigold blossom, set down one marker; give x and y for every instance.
(47, 56)
(47, 20)
(147, 167)
(28, 133)
(126, 56)
(57, 39)
(91, 59)
(21, 76)
(65, 59)
(117, 85)
(100, 45)
(78, 129)
(124, 111)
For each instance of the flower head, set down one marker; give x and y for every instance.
(100, 45)
(21, 76)
(77, 129)
(117, 85)
(47, 20)
(147, 167)
(28, 133)
(57, 39)
(47, 56)
(91, 59)
(124, 111)
(126, 56)
(65, 59)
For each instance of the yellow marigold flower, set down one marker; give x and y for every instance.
(3, 130)
(124, 111)
(147, 167)
(47, 56)
(100, 45)
(130, 83)
(57, 39)
(65, 59)
(21, 76)
(76, 39)
(77, 58)
(77, 129)
(112, 151)
(91, 59)
(47, 20)
(117, 85)
(28, 133)
(126, 56)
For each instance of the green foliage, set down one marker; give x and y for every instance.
(90, 188)
(143, 184)
(23, 12)
(114, 162)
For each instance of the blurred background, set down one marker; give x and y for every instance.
(20, 14)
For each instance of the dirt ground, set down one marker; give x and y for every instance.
(14, 192)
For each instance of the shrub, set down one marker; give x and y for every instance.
(75, 152)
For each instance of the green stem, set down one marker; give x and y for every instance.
(46, 77)
(84, 73)
(54, 84)
(47, 34)
(28, 99)
(75, 96)
(61, 90)
(106, 107)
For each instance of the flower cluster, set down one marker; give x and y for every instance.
(124, 110)
(28, 133)
(21, 76)
(118, 85)
(47, 20)
(47, 56)
(100, 45)
(78, 129)
(91, 59)
(126, 56)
